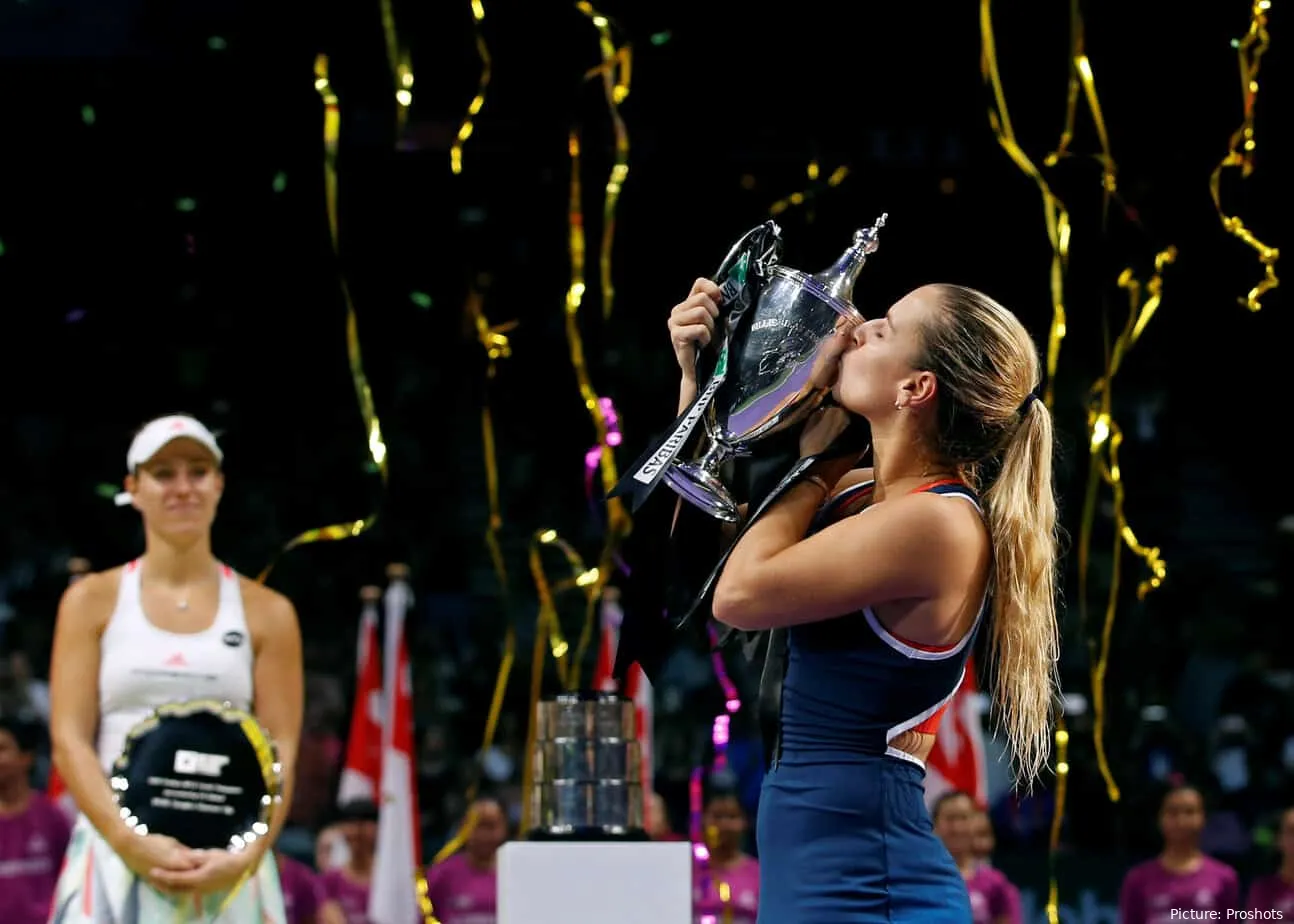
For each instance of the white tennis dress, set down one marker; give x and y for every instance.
(142, 667)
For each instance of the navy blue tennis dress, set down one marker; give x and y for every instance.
(844, 833)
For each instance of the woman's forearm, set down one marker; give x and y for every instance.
(782, 525)
(687, 391)
(78, 765)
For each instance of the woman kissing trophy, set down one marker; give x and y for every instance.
(774, 326)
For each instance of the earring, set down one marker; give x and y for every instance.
(897, 406)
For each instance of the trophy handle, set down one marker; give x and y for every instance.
(764, 260)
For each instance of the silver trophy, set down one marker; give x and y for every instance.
(587, 769)
(768, 369)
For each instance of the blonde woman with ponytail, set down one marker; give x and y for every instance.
(882, 577)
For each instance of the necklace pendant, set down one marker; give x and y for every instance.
(183, 604)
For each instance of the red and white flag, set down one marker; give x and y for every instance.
(957, 761)
(610, 618)
(637, 688)
(393, 898)
(362, 770)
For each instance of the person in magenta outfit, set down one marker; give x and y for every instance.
(33, 831)
(1181, 879)
(993, 899)
(1276, 892)
(724, 823)
(346, 887)
(463, 888)
(983, 838)
(304, 898)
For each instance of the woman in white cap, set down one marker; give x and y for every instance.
(173, 625)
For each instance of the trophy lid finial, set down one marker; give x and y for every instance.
(839, 279)
(869, 238)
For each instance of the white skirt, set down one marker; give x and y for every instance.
(96, 887)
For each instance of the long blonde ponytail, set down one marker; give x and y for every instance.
(1024, 638)
(989, 419)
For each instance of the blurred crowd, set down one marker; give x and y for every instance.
(1225, 724)
(1205, 702)
(330, 884)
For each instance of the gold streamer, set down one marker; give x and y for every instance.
(1240, 154)
(1101, 429)
(494, 340)
(1055, 215)
(1057, 817)
(1080, 75)
(474, 108)
(1105, 437)
(548, 635)
(401, 69)
(721, 884)
(373, 426)
(615, 71)
(816, 187)
(424, 898)
(618, 521)
(1056, 220)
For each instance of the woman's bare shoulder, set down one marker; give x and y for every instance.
(91, 600)
(266, 610)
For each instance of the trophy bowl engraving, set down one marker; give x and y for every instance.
(201, 772)
(771, 388)
(587, 767)
(769, 383)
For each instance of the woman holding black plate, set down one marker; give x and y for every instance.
(173, 626)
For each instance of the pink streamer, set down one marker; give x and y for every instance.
(593, 459)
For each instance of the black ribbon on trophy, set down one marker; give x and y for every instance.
(759, 388)
(743, 273)
(201, 772)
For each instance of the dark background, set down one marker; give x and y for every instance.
(165, 248)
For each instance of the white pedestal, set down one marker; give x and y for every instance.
(566, 883)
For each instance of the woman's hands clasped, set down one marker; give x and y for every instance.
(213, 871)
(169, 866)
(151, 854)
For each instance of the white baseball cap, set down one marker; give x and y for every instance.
(158, 433)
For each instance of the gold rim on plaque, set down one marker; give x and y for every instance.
(266, 757)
